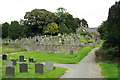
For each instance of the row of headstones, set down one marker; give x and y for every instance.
(38, 38)
(10, 70)
(21, 58)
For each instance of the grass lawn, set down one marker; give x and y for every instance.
(54, 57)
(57, 72)
(10, 49)
(45, 57)
(109, 70)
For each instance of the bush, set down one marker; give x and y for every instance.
(107, 54)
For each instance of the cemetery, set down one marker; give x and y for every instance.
(28, 63)
(57, 45)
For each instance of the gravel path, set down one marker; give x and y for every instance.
(86, 68)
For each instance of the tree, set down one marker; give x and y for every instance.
(51, 28)
(14, 30)
(63, 29)
(111, 47)
(84, 23)
(37, 19)
(5, 27)
(113, 27)
(102, 29)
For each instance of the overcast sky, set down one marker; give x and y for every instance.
(94, 11)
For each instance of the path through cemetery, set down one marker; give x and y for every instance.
(86, 68)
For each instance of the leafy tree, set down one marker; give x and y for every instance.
(63, 29)
(37, 19)
(5, 27)
(14, 30)
(110, 32)
(102, 30)
(113, 27)
(51, 28)
(84, 23)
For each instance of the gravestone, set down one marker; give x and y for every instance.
(21, 58)
(31, 60)
(14, 61)
(23, 67)
(9, 64)
(4, 57)
(39, 68)
(71, 52)
(10, 71)
(49, 65)
(93, 44)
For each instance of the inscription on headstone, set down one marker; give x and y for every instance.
(23, 67)
(39, 68)
(10, 71)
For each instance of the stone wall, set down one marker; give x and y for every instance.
(51, 48)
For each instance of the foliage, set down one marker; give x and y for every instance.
(109, 31)
(5, 27)
(14, 30)
(37, 19)
(102, 30)
(84, 23)
(109, 70)
(63, 18)
(63, 29)
(51, 28)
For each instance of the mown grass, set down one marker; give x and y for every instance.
(109, 70)
(56, 73)
(11, 49)
(54, 57)
(45, 57)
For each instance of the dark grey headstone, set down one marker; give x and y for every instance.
(23, 67)
(9, 64)
(4, 57)
(49, 66)
(71, 52)
(39, 68)
(10, 71)
(31, 60)
(14, 61)
(21, 59)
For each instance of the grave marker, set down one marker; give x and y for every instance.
(4, 57)
(31, 60)
(9, 64)
(10, 71)
(14, 61)
(23, 67)
(21, 58)
(39, 68)
(71, 52)
(49, 65)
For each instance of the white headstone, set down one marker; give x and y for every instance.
(9, 64)
(49, 65)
